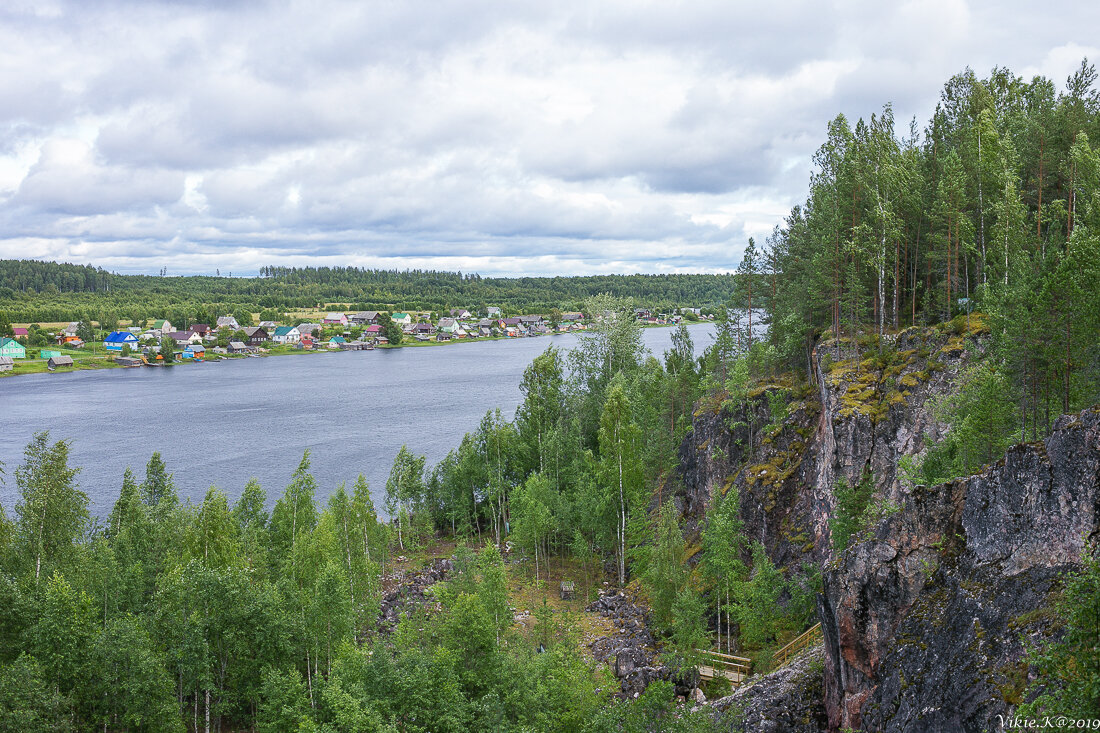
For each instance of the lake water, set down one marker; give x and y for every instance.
(221, 423)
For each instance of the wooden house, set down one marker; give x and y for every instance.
(286, 335)
(257, 335)
(59, 361)
(194, 351)
(117, 339)
(337, 319)
(364, 318)
(6, 363)
(184, 338)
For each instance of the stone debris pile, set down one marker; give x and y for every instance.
(631, 650)
(409, 593)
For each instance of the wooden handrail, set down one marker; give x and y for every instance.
(742, 660)
(807, 638)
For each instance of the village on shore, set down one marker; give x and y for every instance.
(82, 345)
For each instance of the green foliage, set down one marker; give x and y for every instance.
(850, 513)
(404, 488)
(28, 702)
(52, 512)
(1069, 680)
(284, 705)
(655, 711)
(688, 628)
(761, 617)
(664, 574)
(168, 349)
(132, 689)
(390, 330)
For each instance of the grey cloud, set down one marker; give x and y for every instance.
(497, 136)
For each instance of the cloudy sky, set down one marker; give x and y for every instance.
(498, 137)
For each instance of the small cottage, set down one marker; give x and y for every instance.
(59, 361)
(6, 363)
(117, 339)
(286, 335)
(194, 351)
(256, 335)
(338, 319)
(363, 318)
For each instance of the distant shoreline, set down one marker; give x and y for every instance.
(93, 362)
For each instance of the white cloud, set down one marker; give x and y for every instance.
(485, 136)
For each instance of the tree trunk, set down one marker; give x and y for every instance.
(622, 524)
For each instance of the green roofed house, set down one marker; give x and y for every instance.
(401, 319)
(286, 335)
(12, 348)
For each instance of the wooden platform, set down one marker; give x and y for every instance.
(716, 664)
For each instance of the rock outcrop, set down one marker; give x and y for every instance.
(789, 700)
(631, 651)
(409, 593)
(923, 619)
(927, 615)
(862, 412)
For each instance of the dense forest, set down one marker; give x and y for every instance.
(46, 292)
(215, 616)
(994, 209)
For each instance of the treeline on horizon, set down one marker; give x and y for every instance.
(33, 291)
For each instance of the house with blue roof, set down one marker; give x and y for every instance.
(117, 339)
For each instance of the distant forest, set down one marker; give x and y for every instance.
(33, 291)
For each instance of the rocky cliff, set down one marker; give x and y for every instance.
(925, 618)
(926, 615)
(862, 412)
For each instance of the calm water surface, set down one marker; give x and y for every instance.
(221, 423)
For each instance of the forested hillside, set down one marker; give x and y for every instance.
(32, 291)
(993, 207)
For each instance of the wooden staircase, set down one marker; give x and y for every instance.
(809, 638)
(738, 669)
